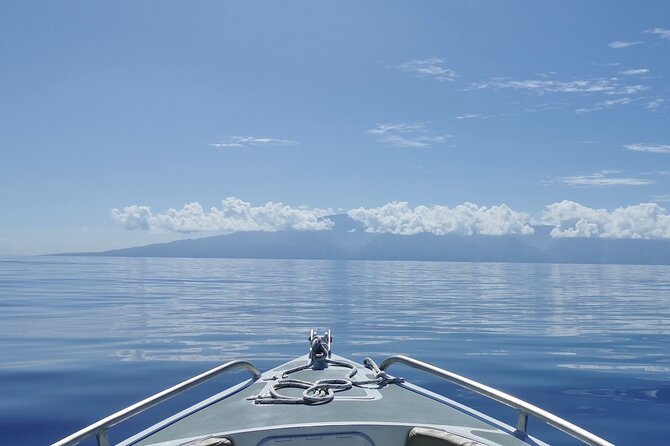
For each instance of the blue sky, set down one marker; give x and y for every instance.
(113, 113)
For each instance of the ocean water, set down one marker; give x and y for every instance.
(83, 337)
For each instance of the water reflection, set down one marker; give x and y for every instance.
(215, 309)
(588, 341)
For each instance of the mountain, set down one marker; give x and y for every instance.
(348, 240)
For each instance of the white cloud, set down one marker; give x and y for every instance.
(465, 219)
(619, 45)
(635, 72)
(134, 217)
(432, 67)
(547, 74)
(604, 178)
(642, 221)
(233, 216)
(630, 89)
(474, 116)
(609, 86)
(605, 104)
(403, 134)
(651, 148)
(662, 198)
(662, 33)
(655, 104)
(568, 219)
(244, 141)
(545, 107)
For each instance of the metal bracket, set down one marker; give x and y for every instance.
(320, 346)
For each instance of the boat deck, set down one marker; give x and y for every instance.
(394, 408)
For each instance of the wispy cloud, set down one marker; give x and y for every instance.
(605, 104)
(619, 44)
(608, 86)
(432, 67)
(612, 102)
(403, 134)
(547, 74)
(650, 148)
(474, 116)
(234, 215)
(245, 141)
(661, 32)
(546, 106)
(635, 72)
(662, 198)
(604, 178)
(655, 104)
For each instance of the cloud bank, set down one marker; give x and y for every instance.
(465, 219)
(234, 215)
(642, 221)
(567, 219)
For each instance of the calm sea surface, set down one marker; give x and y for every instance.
(83, 337)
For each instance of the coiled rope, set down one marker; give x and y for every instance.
(323, 390)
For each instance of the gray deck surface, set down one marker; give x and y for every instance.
(390, 404)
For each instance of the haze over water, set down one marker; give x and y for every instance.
(83, 337)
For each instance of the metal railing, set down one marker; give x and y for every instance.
(101, 428)
(524, 409)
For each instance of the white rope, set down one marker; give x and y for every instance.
(321, 391)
